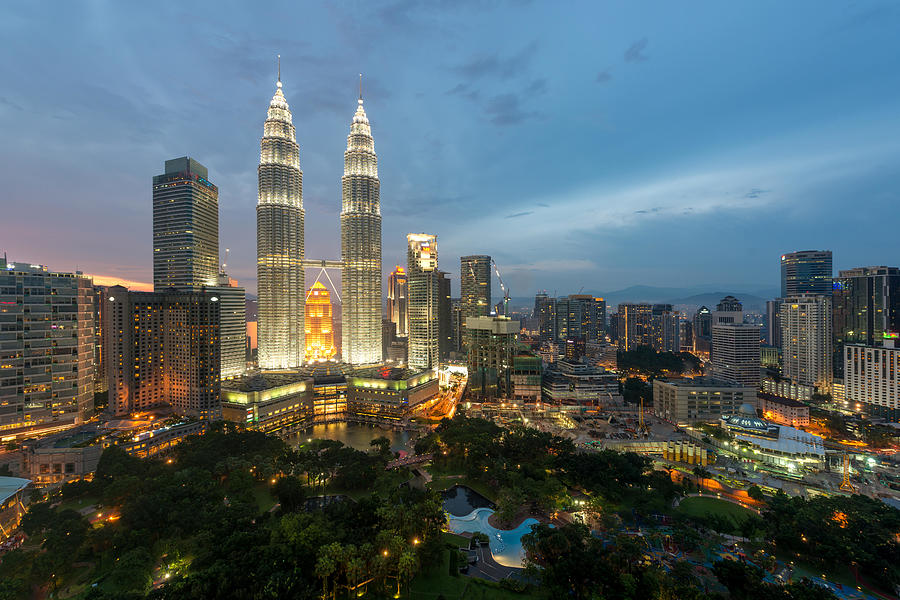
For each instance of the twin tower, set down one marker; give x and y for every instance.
(281, 257)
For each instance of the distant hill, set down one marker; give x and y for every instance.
(753, 297)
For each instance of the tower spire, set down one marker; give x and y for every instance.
(360, 88)
(279, 70)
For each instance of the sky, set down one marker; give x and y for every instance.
(584, 145)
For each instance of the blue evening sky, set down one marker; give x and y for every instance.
(582, 144)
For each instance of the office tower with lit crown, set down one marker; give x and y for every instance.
(185, 227)
(806, 272)
(397, 311)
(361, 245)
(319, 326)
(475, 285)
(865, 306)
(46, 347)
(735, 354)
(806, 350)
(279, 241)
(424, 296)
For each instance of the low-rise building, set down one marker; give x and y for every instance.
(685, 401)
(12, 506)
(387, 393)
(63, 457)
(579, 383)
(269, 402)
(783, 411)
(161, 440)
(756, 439)
(788, 389)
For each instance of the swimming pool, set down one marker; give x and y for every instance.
(506, 545)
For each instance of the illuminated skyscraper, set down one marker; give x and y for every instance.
(319, 325)
(397, 311)
(424, 296)
(185, 227)
(806, 272)
(361, 245)
(279, 241)
(475, 285)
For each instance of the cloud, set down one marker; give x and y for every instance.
(604, 76)
(755, 193)
(536, 87)
(519, 214)
(635, 52)
(499, 68)
(506, 109)
(543, 204)
(465, 91)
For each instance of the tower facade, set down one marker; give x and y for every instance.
(360, 246)
(279, 241)
(424, 297)
(185, 227)
(475, 285)
(806, 338)
(319, 326)
(806, 272)
(397, 311)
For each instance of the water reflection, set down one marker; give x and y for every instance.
(355, 435)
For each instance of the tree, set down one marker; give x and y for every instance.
(290, 493)
(755, 492)
(406, 568)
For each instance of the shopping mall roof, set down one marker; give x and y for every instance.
(9, 486)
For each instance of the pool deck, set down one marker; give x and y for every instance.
(488, 568)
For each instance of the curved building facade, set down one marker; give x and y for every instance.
(279, 241)
(361, 246)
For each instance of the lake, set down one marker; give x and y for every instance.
(355, 435)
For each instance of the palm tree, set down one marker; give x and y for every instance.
(406, 567)
(325, 567)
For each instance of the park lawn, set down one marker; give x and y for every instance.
(263, 495)
(455, 540)
(697, 506)
(480, 590)
(436, 579)
(78, 503)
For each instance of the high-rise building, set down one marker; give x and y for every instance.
(735, 354)
(871, 378)
(865, 305)
(361, 245)
(319, 324)
(162, 348)
(635, 328)
(232, 326)
(424, 296)
(806, 350)
(773, 323)
(665, 328)
(456, 325)
(445, 325)
(545, 313)
(475, 285)
(806, 272)
(702, 331)
(396, 301)
(491, 343)
(185, 227)
(99, 357)
(46, 347)
(279, 241)
(728, 310)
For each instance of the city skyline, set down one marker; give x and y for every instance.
(583, 167)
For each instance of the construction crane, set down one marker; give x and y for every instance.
(846, 485)
(503, 288)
